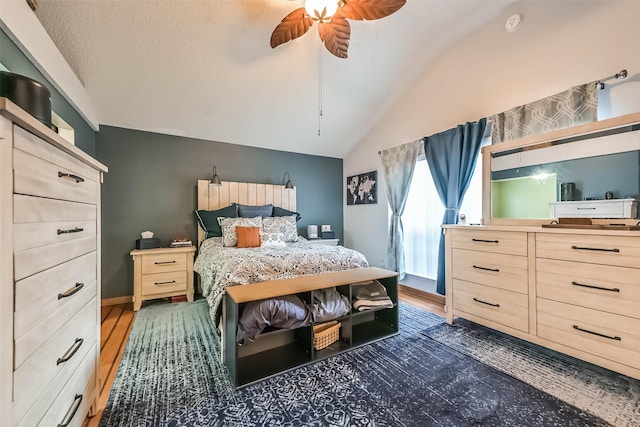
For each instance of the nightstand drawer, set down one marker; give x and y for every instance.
(502, 271)
(161, 263)
(500, 306)
(160, 283)
(504, 242)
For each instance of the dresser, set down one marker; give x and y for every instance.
(49, 275)
(575, 291)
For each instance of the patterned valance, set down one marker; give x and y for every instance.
(572, 107)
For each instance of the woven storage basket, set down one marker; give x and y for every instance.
(326, 334)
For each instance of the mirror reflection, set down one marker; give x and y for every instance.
(525, 184)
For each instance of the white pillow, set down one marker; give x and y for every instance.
(281, 224)
(228, 226)
(272, 240)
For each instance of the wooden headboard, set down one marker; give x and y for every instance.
(211, 197)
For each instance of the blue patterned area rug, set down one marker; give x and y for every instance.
(171, 375)
(611, 396)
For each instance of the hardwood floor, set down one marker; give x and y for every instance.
(430, 302)
(117, 321)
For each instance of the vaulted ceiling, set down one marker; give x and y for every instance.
(205, 69)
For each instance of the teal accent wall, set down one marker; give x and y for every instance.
(16, 61)
(151, 185)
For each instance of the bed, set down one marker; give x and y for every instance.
(220, 267)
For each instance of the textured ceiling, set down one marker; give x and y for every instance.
(204, 69)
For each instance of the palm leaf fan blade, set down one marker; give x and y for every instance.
(335, 35)
(369, 9)
(293, 25)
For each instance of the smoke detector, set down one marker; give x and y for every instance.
(513, 22)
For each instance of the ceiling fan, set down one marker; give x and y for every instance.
(331, 16)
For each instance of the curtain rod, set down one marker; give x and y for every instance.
(621, 75)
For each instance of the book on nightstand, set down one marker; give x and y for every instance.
(180, 242)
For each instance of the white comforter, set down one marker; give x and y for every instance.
(220, 267)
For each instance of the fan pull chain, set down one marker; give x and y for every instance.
(319, 84)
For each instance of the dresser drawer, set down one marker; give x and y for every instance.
(505, 242)
(161, 263)
(27, 209)
(601, 287)
(37, 177)
(46, 301)
(622, 251)
(159, 283)
(603, 334)
(33, 235)
(37, 165)
(77, 391)
(32, 261)
(500, 306)
(498, 270)
(31, 144)
(45, 364)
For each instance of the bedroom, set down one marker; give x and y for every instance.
(579, 42)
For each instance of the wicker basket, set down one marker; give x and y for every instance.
(326, 334)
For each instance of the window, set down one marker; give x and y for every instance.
(423, 214)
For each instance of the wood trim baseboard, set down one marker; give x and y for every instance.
(117, 300)
(435, 298)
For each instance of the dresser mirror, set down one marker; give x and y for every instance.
(590, 171)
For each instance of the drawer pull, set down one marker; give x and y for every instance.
(497, 270)
(595, 287)
(164, 283)
(71, 230)
(578, 328)
(165, 262)
(586, 209)
(487, 303)
(71, 351)
(595, 249)
(71, 291)
(76, 178)
(484, 241)
(71, 412)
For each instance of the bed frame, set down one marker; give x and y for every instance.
(211, 197)
(278, 352)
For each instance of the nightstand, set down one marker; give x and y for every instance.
(162, 272)
(326, 242)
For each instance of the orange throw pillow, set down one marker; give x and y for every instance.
(248, 237)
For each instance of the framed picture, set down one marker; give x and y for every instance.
(362, 189)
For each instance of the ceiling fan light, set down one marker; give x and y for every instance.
(321, 10)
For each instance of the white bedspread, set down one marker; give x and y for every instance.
(220, 267)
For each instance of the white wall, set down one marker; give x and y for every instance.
(560, 44)
(22, 26)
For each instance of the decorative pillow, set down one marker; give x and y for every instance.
(281, 224)
(246, 211)
(272, 240)
(228, 225)
(248, 237)
(283, 212)
(208, 220)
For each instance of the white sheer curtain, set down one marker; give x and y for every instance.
(423, 214)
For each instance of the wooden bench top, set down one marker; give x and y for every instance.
(278, 288)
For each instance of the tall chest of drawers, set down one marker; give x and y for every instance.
(583, 289)
(49, 275)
